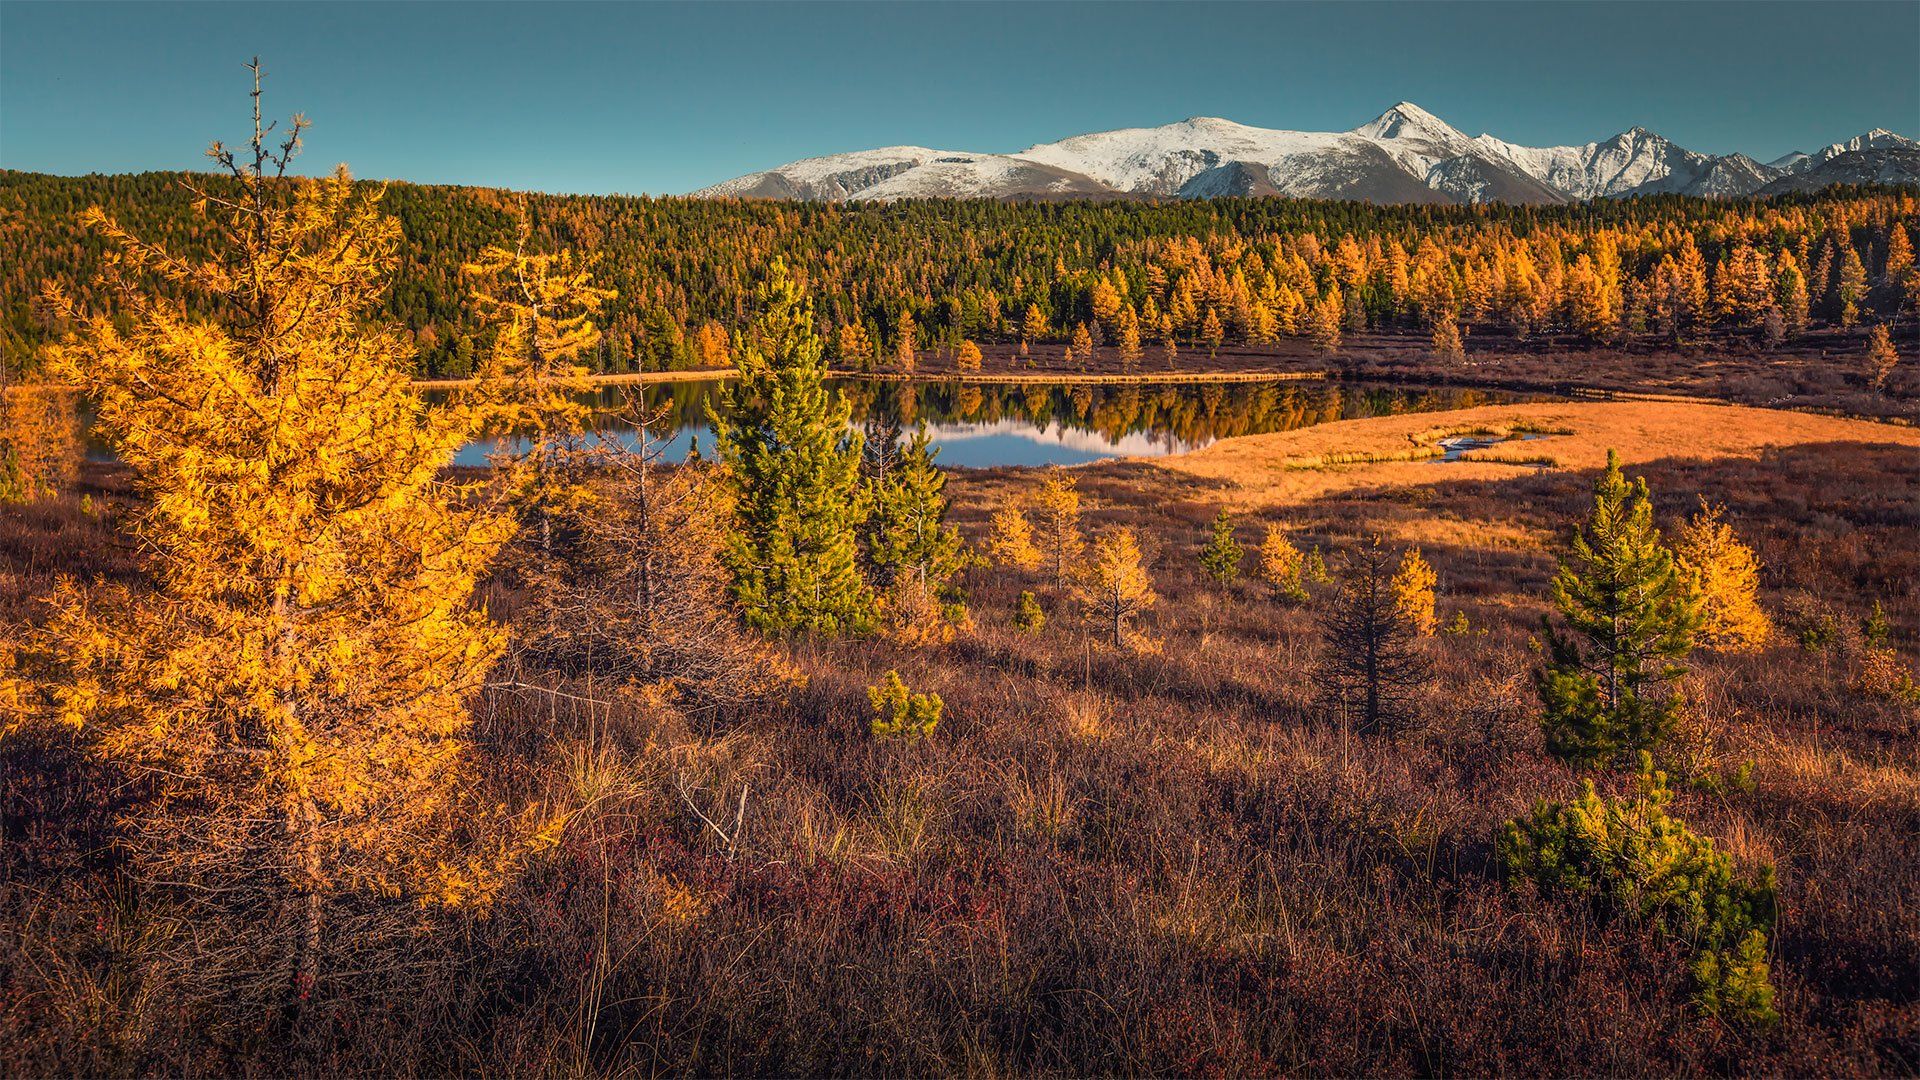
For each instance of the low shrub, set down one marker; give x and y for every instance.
(900, 713)
(1029, 617)
(1630, 858)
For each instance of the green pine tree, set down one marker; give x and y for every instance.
(1221, 557)
(1606, 685)
(908, 537)
(785, 448)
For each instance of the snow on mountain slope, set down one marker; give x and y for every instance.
(1636, 160)
(833, 177)
(972, 176)
(1415, 138)
(1734, 174)
(1158, 161)
(1474, 178)
(1406, 154)
(1889, 164)
(1877, 139)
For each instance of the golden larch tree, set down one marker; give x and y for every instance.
(1899, 253)
(1113, 586)
(1212, 332)
(540, 306)
(40, 444)
(903, 345)
(1445, 338)
(1056, 512)
(1881, 358)
(1724, 577)
(1413, 585)
(1010, 542)
(853, 346)
(1129, 338)
(1104, 301)
(1325, 324)
(967, 358)
(1082, 345)
(291, 693)
(1282, 566)
(1033, 327)
(710, 345)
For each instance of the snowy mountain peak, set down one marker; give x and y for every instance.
(1406, 154)
(1407, 119)
(1877, 139)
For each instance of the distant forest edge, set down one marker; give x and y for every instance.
(895, 280)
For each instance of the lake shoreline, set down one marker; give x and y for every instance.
(1091, 378)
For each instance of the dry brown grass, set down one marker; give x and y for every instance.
(1105, 862)
(1384, 452)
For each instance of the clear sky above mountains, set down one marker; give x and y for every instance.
(667, 98)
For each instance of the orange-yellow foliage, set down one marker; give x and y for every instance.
(1724, 577)
(1113, 586)
(1413, 591)
(293, 689)
(968, 357)
(710, 344)
(1056, 511)
(39, 442)
(1281, 564)
(541, 308)
(1881, 358)
(1011, 541)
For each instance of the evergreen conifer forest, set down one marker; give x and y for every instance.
(1569, 731)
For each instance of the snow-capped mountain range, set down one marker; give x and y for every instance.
(1405, 155)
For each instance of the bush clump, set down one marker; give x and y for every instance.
(1029, 617)
(1632, 859)
(901, 714)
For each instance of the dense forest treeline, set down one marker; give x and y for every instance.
(894, 280)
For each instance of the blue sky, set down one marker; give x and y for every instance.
(664, 98)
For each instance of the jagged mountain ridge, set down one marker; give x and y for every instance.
(1405, 155)
(1873, 165)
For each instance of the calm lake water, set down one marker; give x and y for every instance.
(978, 426)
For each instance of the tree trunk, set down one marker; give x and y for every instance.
(306, 963)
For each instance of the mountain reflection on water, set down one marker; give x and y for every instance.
(981, 425)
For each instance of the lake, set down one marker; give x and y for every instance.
(981, 425)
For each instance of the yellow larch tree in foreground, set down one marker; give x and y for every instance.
(1282, 566)
(968, 357)
(1011, 540)
(1413, 586)
(1113, 586)
(1724, 578)
(532, 387)
(1056, 512)
(291, 694)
